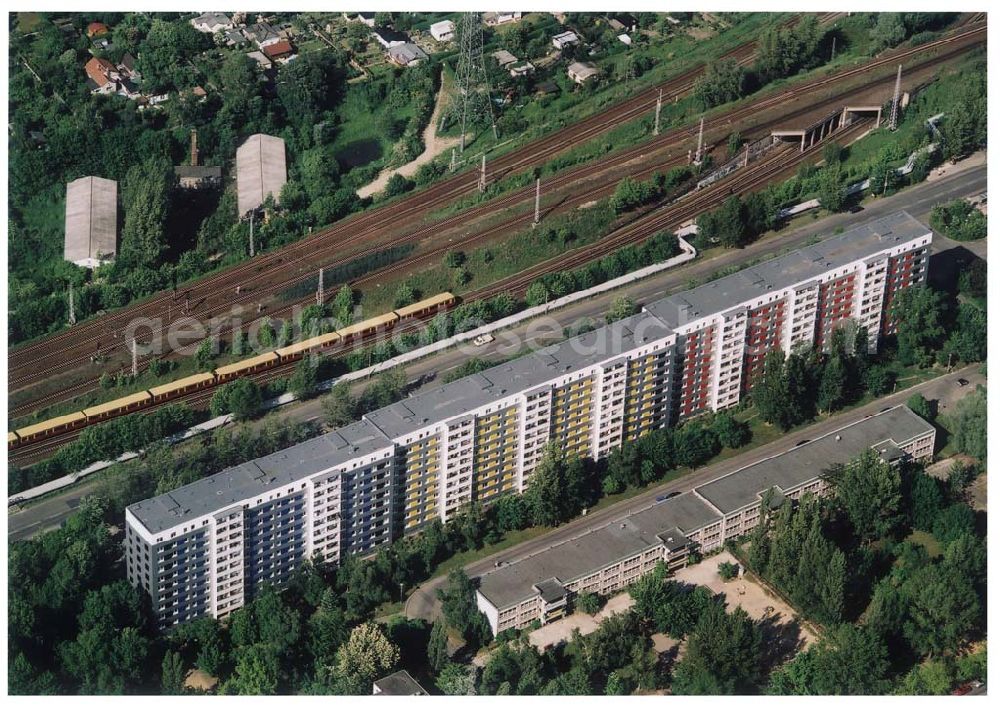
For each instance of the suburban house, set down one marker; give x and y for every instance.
(582, 71)
(102, 76)
(212, 22)
(197, 176)
(565, 39)
(492, 19)
(262, 34)
(281, 51)
(262, 61)
(625, 39)
(525, 69)
(406, 54)
(234, 38)
(388, 37)
(504, 58)
(443, 31)
(365, 18)
(127, 67)
(97, 29)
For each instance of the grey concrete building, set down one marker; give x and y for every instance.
(91, 221)
(422, 459)
(608, 559)
(260, 171)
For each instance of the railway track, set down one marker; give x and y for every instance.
(85, 338)
(664, 142)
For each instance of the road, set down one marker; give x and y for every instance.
(918, 200)
(422, 602)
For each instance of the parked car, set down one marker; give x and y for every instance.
(483, 339)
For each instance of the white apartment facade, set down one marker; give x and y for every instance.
(424, 458)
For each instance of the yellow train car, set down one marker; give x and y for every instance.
(126, 404)
(12, 440)
(427, 306)
(318, 343)
(62, 423)
(246, 366)
(182, 386)
(370, 326)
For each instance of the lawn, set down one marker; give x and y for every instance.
(931, 544)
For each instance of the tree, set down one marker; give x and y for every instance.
(621, 307)
(879, 380)
(554, 493)
(919, 314)
(921, 406)
(405, 295)
(536, 294)
(327, 629)
(969, 424)
(848, 660)
(588, 603)
(367, 655)
(943, 610)
(832, 190)
(242, 397)
(302, 383)
(723, 655)
(172, 674)
(437, 648)
(953, 522)
(343, 306)
(454, 259)
(459, 607)
(771, 395)
(722, 82)
(832, 392)
(145, 194)
(457, 680)
(511, 513)
(256, 674)
(968, 341)
(339, 406)
(868, 489)
(926, 500)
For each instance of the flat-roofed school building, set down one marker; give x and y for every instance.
(608, 559)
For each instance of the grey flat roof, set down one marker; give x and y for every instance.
(884, 431)
(91, 218)
(683, 514)
(260, 171)
(522, 374)
(787, 270)
(400, 684)
(259, 476)
(595, 549)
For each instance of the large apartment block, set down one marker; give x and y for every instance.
(206, 547)
(609, 558)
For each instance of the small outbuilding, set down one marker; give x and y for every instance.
(582, 71)
(443, 31)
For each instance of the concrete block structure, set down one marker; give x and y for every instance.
(424, 458)
(91, 221)
(260, 171)
(608, 559)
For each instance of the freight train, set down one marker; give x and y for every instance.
(223, 374)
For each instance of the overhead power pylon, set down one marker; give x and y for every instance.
(894, 115)
(474, 100)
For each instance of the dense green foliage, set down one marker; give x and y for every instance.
(959, 220)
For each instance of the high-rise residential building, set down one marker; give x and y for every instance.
(205, 548)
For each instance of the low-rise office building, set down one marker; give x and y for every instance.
(424, 458)
(608, 559)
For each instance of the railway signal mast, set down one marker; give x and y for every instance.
(135, 359)
(894, 116)
(482, 175)
(251, 236)
(319, 289)
(472, 81)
